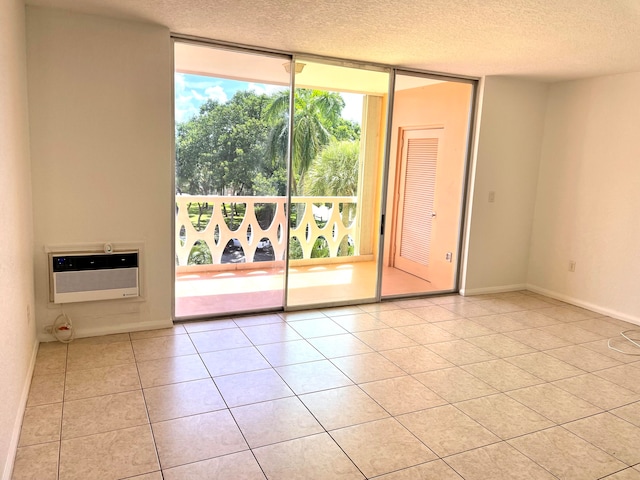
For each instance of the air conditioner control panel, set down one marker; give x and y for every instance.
(77, 263)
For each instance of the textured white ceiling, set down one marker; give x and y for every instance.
(543, 39)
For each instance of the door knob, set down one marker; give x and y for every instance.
(433, 214)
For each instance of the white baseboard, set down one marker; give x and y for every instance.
(17, 426)
(609, 312)
(113, 329)
(499, 289)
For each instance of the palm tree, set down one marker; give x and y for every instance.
(335, 174)
(315, 111)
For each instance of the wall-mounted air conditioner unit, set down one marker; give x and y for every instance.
(82, 277)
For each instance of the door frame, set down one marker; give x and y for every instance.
(240, 49)
(399, 192)
(388, 211)
(385, 225)
(379, 150)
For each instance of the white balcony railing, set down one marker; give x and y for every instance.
(328, 217)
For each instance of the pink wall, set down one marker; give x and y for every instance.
(446, 105)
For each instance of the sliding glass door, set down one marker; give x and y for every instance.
(284, 179)
(231, 185)
(338, 138)
(426, 180)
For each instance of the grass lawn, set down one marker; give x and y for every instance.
(205, 211)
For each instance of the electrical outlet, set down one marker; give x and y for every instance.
(492, 197)
(448, 256)
(48, 329)
(572, 265)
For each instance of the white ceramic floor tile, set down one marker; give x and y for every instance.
(505, 386)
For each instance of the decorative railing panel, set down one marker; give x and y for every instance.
(329, 217)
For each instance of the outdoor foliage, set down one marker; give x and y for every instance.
(239, 148)
(316, 116)
(200, 254)
(223, 149)
(335, 171)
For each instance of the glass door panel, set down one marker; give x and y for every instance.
(428, 156)
(339, 131)
(231, 193)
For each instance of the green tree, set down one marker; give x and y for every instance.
(239, 147)
(315, 114)
(222, 150)
(345, 130)
(335, 173)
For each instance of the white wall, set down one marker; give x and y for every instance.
(18, 342)
(100, 115)
(588, 200)
(506, 162)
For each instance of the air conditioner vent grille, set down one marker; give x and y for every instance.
(86, 277)
(91, 281)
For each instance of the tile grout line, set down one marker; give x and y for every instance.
(64, 400)
(559, 323)
(146, 407)
(227, 407)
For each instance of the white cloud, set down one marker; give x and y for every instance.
(260, 88)
(197, 96)
(185, 108)
(179, 82)
(216, 93)
(185, 105)
(191, 93)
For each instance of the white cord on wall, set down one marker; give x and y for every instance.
(627, 339)
(63, 328)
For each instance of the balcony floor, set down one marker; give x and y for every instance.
(226, 292)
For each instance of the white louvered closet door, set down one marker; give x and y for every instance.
(416, 201)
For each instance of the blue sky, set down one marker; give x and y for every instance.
(193, 90)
